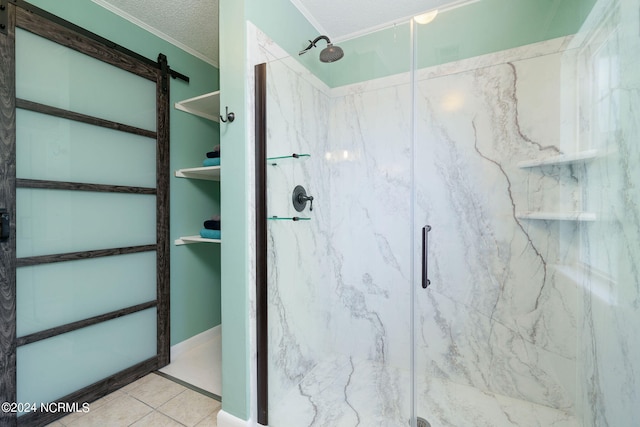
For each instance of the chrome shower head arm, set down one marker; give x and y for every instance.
(317, 39)
(308, 48)
(313, 44)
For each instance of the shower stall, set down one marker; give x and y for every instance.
(470, 256)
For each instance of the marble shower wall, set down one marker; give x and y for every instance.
(339, 284)
(370, 299)
(508, 300)
(298, 251)
(499, 315)
(370, 177)
(609, 339)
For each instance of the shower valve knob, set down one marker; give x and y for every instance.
(300, 198)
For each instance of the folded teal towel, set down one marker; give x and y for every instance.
(210, 234)
(211, 161)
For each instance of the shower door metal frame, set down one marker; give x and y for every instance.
(20, 14)
(262, 330)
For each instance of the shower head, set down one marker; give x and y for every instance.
(330, 53)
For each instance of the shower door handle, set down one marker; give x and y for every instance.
(425, 256)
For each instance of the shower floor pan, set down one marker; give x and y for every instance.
(343, 392)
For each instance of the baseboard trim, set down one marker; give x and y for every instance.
(227, 420)
(195, 341)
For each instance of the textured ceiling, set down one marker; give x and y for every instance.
(341, 19)
(189, 24)
(193, 24)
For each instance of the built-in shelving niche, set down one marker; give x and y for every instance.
(563, 159)
(208, 173)
(558, 216)
(207, 106)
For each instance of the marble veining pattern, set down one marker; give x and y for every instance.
(609, 339)
(497, 329)
(489, 334)
(499, 266)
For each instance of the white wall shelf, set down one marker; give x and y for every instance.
(558, 216)
(207, 106)
(210, 173)
(186, 240)
(562, 159)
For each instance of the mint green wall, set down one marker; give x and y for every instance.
(234, 201)
(270, 15)
(494, 25)
(476, 29)
(195, 269)
(235, 186)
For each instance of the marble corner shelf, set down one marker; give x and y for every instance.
(563, 159)
(295, 156)
(207, 106)
(209, 173)
(558, 216)
(187, 240)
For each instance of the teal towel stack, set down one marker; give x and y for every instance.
(210, 234)
(211, 161)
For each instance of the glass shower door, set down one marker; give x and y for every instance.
(496, 328)
(521, 169)
(609, 253)
(522, 142)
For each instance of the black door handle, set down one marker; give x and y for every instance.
(425, 256)
(5, 227)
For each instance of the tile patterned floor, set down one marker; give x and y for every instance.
(152, 401)
(199, 365)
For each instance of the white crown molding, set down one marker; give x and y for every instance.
(400, 21)
(121, 13)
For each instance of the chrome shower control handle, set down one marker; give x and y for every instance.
(304, 199)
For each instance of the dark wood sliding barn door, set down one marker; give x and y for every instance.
(84, 253)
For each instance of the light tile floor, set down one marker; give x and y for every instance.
(152, 401)
(200, 365)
